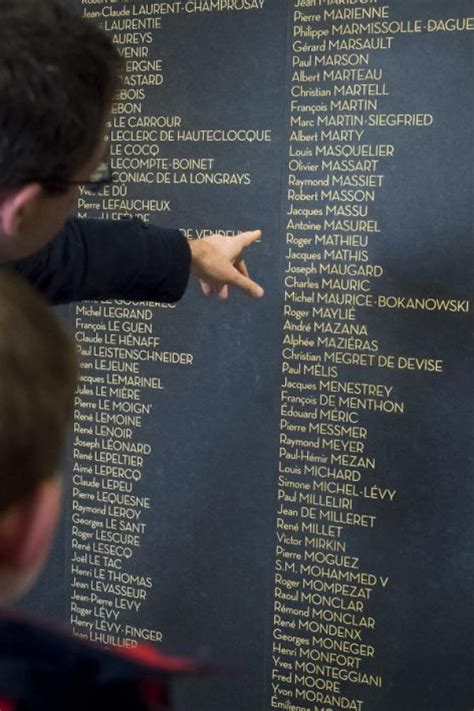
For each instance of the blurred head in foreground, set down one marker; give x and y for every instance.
(58, 76)
(37, 381)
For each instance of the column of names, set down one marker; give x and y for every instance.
(334, 485)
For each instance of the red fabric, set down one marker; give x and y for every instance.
(154, 694)
(146, 654)
(6, 705)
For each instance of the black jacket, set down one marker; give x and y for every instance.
(101, 259)
(43, 669)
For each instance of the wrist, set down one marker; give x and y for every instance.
(197, 248)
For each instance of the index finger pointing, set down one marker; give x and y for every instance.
(246, 238)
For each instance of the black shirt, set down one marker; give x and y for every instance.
(102, 259)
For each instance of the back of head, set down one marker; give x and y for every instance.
(58, 76)
(37, 383)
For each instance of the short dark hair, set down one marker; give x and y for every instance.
(58, 75)
(38, 371)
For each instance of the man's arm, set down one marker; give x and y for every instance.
(126, 259)
(101, 259)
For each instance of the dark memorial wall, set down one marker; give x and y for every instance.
(284, 487)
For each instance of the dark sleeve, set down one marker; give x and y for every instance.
(105, 259)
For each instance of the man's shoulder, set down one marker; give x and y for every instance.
(44, 668)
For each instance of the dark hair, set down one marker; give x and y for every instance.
(58, 75)
(38, 368)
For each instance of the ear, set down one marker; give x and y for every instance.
(27, 528)
(16, 207)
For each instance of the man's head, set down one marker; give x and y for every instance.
(37, 383)
(58, 76)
